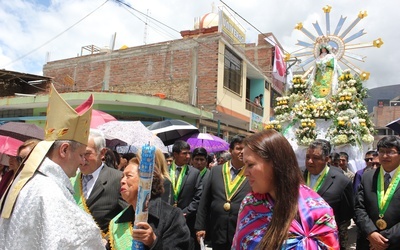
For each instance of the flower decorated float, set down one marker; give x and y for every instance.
(341, 119)
(326, 102)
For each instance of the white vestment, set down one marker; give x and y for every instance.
(45, 215)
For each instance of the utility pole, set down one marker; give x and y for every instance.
(145, 28)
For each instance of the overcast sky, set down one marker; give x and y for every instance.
(38, 30)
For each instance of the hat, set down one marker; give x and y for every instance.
(65, 123)
(62, 123)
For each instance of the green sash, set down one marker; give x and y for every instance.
(320, 180)
(120, 233)
(384, 198)
(79, 199)
(232, 186)
(203, 172)
(177, 183)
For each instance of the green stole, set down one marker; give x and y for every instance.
(232, 186)
(384, 198)
(78, 196)
(120, 233)
(320, 180)
(177, 183)
(203, 172)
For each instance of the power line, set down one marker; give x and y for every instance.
(52, 39)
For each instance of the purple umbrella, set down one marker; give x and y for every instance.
(210, 142)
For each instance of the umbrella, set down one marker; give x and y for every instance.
(22, 131)
(395, 125)
(100, 117)
(171, 130)
(9, 145)
(132, 133)
(210, 142)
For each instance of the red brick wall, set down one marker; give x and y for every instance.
(159, 68)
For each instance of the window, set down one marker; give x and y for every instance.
(232, 72)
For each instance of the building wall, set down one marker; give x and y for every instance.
(172, 68)
(384, 115)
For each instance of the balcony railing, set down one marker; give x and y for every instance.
(254, 108)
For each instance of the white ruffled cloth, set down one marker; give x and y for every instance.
(46, 216)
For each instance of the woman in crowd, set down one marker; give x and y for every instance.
(280, 212)
(15, 161)
(166, 227)
(161, 163)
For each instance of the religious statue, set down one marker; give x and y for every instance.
(324, 77)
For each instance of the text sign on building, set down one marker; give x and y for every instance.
(231, 29)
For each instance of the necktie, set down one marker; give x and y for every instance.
(178, 171)
(85, 180)
(387, 180)
(235, 173)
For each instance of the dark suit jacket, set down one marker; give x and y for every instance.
(105, 200)
(366, 212)
(167, 222)
(189, 196)
(337, 191)
(211, 214)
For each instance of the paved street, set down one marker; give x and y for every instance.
(352, 236)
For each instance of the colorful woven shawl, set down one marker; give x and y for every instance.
(316, 230)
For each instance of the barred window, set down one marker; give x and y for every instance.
(232, 72)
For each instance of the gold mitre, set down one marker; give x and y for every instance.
(65, 123)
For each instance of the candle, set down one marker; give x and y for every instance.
(146, 169)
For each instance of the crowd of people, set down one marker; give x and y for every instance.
(71, 192)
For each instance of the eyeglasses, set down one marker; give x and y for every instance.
(388, 153)
(368, 159)
(19, 159)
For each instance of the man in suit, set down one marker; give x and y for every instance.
(97, 186)
(187, 185)
(223, 193)
(330, 184)
(378, 200)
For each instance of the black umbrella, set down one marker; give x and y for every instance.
(171, 130)
(22, 131)
(395, 125)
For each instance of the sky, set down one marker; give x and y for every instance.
(37, 31)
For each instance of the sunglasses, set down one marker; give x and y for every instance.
(368, 159)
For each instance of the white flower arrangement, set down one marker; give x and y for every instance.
(274, 125)
(282, 105)
(306, 133)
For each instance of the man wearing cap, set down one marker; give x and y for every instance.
(378, 200)
(97, 186)
(38, 210)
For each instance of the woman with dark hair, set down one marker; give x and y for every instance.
(280, 212)
(165, 228)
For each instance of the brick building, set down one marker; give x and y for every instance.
(384, 113)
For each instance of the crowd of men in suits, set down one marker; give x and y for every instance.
(210, 198)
